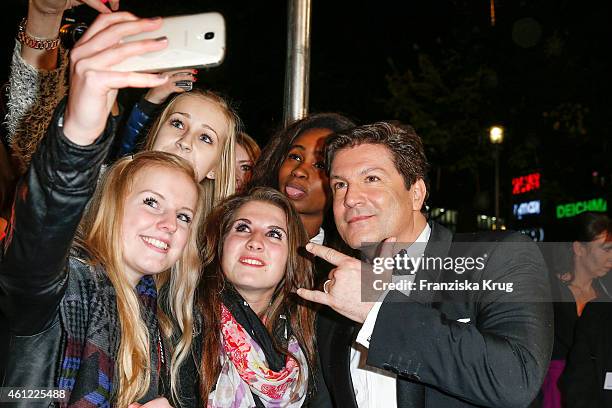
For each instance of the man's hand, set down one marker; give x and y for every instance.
(156, 403)
(93, 83)
(344, 286)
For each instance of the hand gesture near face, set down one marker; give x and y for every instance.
(93, 83)
(343, 291)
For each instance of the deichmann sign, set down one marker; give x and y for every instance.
(573, 209)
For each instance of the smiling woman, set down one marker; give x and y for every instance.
(86, 317)
(252, 270)
(255, 252)
(156, 221)
(141, 225)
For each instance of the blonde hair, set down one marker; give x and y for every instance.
(224, 183)
(102, 237)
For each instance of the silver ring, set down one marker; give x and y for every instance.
(325, 286)
(185, 84)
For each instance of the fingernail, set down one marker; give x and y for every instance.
(309, 246)
(195, 71)
(163, 38)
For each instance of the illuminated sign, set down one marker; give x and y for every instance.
(526, 183)
(526, 208)
(573, 209)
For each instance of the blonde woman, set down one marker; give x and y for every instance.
(38, 82)
(200, 126)
(88, 321)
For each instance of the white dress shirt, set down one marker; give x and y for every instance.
(374, 387)
(319, 238)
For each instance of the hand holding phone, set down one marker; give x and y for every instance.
(196, 40)
(93, 84)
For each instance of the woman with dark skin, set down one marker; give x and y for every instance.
(292, 162)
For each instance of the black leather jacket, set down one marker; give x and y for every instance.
(33, 272)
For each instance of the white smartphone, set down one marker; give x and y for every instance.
(196, 40)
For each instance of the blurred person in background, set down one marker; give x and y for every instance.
(247, 153)
(585, 381)
(577, 266)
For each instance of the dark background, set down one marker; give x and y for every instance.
(542, 71)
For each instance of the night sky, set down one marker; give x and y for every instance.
(542, 71)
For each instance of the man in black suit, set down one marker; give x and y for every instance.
(423, 347)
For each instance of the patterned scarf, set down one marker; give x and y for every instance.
(245, 372)
(90, 320)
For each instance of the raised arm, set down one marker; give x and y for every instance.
(47, 211)
(64, 171)
(38, 80)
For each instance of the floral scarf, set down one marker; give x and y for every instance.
(245, 372)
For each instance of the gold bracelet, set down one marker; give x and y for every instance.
(33, 42)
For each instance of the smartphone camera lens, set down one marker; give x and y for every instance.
(209, 35)
(71, 32)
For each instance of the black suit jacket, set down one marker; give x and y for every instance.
(498, 359)
(589, 359)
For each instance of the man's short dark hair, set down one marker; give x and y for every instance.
(403, 143)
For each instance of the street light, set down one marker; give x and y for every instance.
(496, 136)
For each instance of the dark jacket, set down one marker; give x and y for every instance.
(36, 268)
(589, 359)
(33, 273)
(136, 125)
(566, 315)
(498, 359)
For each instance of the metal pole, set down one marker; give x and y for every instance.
(496, 153)
(297, 71)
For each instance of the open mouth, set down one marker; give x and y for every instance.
(258, 263)
(294, 192)
(156, 244)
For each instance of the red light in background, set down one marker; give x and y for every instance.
(526, 183)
